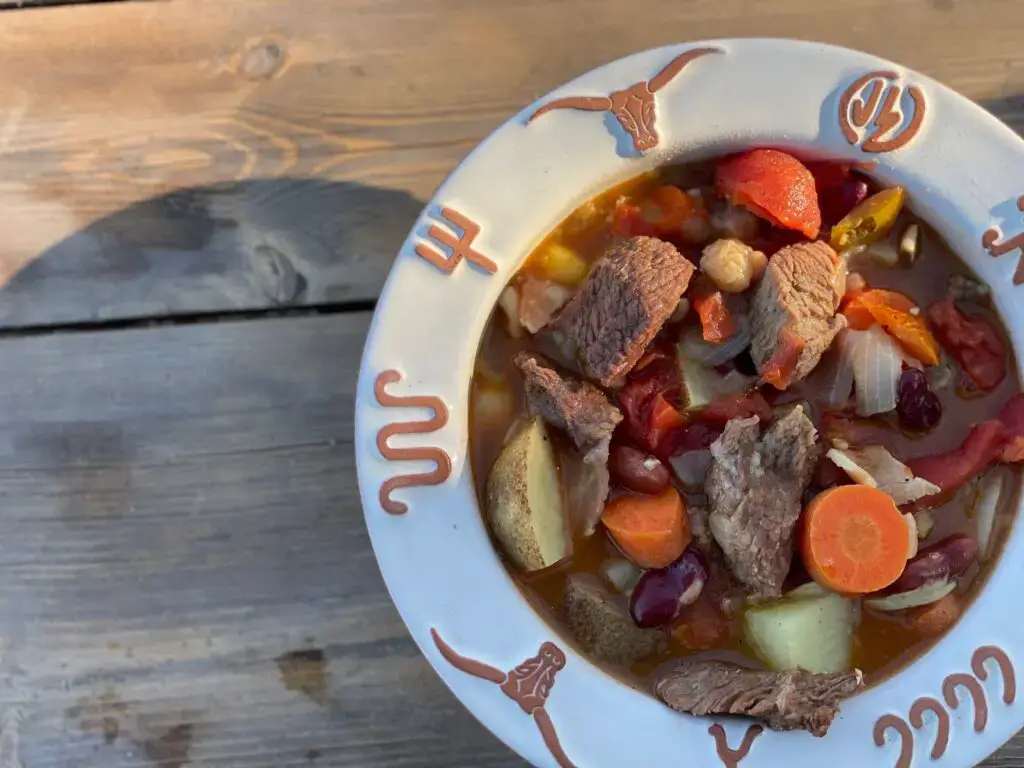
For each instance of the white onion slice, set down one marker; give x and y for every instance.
(877, 365)
(838, 382)
(621, 574)
(911, 535)
(693, 346)
(691, 467)
(923, 595)
(992, 490)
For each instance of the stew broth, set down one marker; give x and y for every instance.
(882, 641)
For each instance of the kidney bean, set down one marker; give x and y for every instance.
(661, 593)
(918, 407)
(945, 559)
(637, 470)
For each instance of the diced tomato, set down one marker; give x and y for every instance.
(972, 341)
(775, 186)
(701, 626)
(727, 407)
(716, 321)
(953, 469)
(780, 367)
(1012, 417)
(628, 221)
(693, 437)
(828, 174)
(646, 401)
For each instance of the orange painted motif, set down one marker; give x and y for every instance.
(878, 95)
(528, 685)
(442, 462)
(731, 757)
(461, 246)
(990, 241)
(633, 107)
(950, 686)
(917, 710)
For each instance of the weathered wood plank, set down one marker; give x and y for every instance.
(296, 146)
(186, 572)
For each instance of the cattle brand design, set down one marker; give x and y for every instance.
(442, 462)
(461, 246)
(528, 685)
(634, 106)
(990, 241)
(731, 757)
(879, 95)
(950, 687)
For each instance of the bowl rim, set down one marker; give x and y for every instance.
(471, 622)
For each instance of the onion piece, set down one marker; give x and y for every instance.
(924, 595)
(693, 346)
(509, 303)
(691, 467)
(911, 535)
(587, 488)
(621, 574)
(877, 365)
(992, 490)
(838, 379)
(925, 524)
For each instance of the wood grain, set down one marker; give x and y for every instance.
(187, 576)
(269, 156)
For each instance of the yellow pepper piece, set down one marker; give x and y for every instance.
(870, 221)
(562, 264)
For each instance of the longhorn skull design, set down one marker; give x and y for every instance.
(633, 107)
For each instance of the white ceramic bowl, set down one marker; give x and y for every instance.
(964, 173)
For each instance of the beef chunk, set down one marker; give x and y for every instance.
(579, 408)
(785, 701)
(755, 486)
(800, 291)
(627, 297)
(601, 623)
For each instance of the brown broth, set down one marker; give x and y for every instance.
(882, 643)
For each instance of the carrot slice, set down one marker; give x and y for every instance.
(893, 311)
(653, 531)
(854, 539)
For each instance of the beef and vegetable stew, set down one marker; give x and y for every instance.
(748, 431)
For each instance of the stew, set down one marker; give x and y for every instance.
(748, 424)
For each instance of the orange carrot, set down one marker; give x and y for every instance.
(892, 311)
(932, 620)
(653, 531)
(854, 540)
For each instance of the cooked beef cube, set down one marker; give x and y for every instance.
(601, 622)
(785, 701)
(579, 408)
(629, 294)
(800, 291)
(755, 486)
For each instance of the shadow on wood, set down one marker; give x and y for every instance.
(246, 245)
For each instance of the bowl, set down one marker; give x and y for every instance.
(962, 169)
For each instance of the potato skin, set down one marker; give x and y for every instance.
(507, 508)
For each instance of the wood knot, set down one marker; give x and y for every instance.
(275, 274)
(262, 61)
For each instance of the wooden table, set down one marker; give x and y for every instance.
(199, 201)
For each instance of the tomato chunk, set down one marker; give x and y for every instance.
(775, 186)
(1012, 417)
(954, 469)
(727, 407)
(779, 370)
(894, 312)
(716, 321)
(972, 341)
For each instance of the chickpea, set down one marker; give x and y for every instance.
(732, 265)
